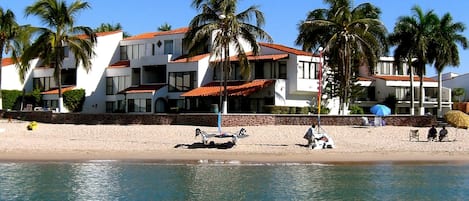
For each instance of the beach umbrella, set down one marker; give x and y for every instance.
(380, 110)
(457, 118)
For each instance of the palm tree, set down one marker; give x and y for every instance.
(349, 36)
(219, 17)
(60, 32)
(403, 38)
(412, 35)
(9, 31)
(164, 27)
(106, 27)
(444, 48)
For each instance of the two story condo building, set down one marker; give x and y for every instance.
(150, 73)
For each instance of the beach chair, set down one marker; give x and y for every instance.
(413, 134)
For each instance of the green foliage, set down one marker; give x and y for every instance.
(74, 99)
(33, 98)
(355, 109)
(456, 93)
(324, 110)
(285, 110)
(353, 35)
(11, 99)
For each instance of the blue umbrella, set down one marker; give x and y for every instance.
(380, 110)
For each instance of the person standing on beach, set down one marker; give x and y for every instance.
(432, 133)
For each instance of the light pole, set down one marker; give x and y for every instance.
(319, 86)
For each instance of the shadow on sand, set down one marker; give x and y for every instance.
(211, 145)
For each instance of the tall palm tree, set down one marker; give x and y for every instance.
(348, 35)
(9, 30)
(412, 35)
(444, 48)
(60, 32)
(219, 17)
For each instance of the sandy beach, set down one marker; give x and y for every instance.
(265, 144)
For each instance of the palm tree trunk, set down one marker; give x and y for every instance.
(225, 79)
(422, 94)
(412, 89)
(440, 107)
(59, 84)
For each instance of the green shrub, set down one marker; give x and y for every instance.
(74, 100)
(34, 98)
(305, 110)
(355, 109)
(11, 99)
(324, 110)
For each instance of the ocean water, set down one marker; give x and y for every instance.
(113, 180)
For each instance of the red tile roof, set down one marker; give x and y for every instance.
(184, 59)
(142, 89)
(56, 90)
(402, 78)
(272, 57)
(237, 88)
(99, 34)
(157, 33)
(120, 64)
(286, 49)
(7, 61)
(394, 78)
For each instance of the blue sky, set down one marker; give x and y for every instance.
(282, 16)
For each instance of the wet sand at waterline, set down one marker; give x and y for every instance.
(265, 144)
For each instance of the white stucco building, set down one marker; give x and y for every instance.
(454, 80)
(150, 73)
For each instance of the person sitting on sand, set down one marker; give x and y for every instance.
(432, 133)
(443, 134)
(309, 135)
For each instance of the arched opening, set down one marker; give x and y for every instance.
(160, 105)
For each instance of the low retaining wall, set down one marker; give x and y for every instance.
(210, 119)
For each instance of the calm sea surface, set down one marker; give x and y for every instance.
(108, 180)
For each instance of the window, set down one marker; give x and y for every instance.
(282, 70)
(182, 81)
(307, 70)
(51, 104)
(135, 76)
(131, 105)
(109, 86)
(147, 105)
(139, 105)
(123, 51)
(235, 72)
(168, 47)
(116, 84)
(44, 83)
(259, 70)
(153, 49)
(129, 52)
(402, 93)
